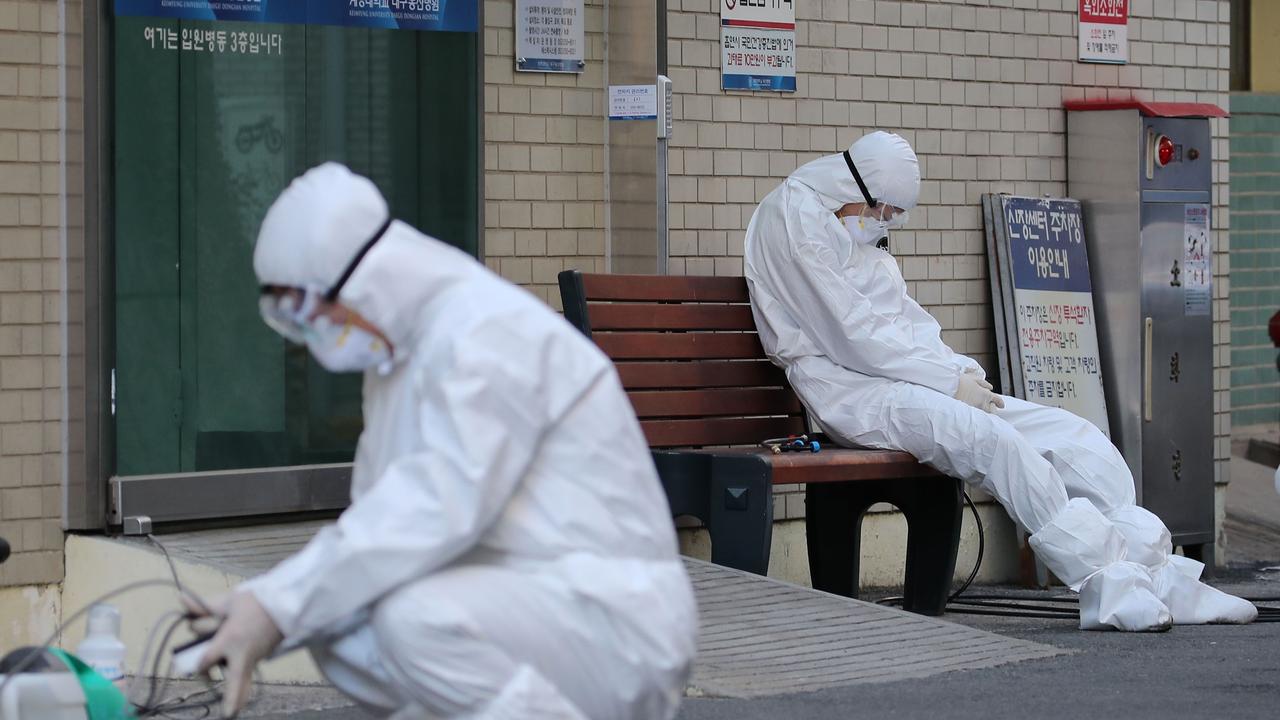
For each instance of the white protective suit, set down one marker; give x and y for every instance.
(870, 365)
(508, 552)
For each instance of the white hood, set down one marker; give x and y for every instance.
(320, 223)
(886, 163)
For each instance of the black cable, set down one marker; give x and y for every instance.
(1071, 600)
(157, 683)
(1009, 613)
(982, 547)
(155, 687)
(1014, 606)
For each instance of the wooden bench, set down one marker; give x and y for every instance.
(706, 395)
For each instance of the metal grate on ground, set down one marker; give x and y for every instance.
(762, 636)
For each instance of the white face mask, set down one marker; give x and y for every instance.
(865, 230)
(347, 348)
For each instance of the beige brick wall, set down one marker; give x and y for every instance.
(977, 87)
(544, 159)
(30, 277)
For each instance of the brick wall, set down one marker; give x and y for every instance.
(976, 86)
(1255, 257)
(544, 157)
(30, 367)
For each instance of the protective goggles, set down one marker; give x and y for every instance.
(892, 217)
(291, 311)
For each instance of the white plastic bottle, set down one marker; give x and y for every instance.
(101, 648)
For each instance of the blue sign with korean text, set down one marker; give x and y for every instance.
(1053, 312)
(441, 15)
(1046, 244)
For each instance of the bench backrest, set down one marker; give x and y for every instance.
(688, 355)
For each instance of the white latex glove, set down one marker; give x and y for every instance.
(976, 392)
(973, 373)
(244, 634)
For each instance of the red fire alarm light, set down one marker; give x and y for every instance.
(1164, 150)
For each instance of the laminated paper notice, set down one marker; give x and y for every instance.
(1197, 271)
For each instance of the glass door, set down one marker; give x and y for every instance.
(209, 128)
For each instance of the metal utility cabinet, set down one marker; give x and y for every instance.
(1143, 173)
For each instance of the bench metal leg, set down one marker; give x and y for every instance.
(833, 530)
(933, 538)
(686, 482)
(741, 514)
(932, 507)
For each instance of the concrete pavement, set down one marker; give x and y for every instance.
(1189, 672)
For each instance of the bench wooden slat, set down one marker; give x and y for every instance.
(718, 431)
(714, 403)
(637, 316)
(679, 346)
(704, 374)
(835, 464)
(668, 288)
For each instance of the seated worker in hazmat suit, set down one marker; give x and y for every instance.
(870, 366)
(508, 551)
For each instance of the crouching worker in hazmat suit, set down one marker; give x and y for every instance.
(870, 365)
(508, 551)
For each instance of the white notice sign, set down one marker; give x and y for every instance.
(1053, 299)
(758, 45)
(1104, 31)
(633, 102)
(549, 36)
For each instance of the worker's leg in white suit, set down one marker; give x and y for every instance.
(1092, 468)
(491, 642)
(1070, 536)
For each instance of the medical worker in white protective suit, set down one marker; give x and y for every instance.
(508, 552)
(870, 365)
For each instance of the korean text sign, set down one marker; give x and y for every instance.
(448, 15)
(1053, 306)
(758, 45)
(549, 36)
(1104, 31)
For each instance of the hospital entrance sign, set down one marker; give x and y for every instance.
(1057, 331)
(440, 15)
(758, 45)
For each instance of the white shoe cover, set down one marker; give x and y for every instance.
(1174, 577)
(1194, 603)
(1121, 596)
(1087, 552)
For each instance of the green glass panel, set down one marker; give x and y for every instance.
(204, 141)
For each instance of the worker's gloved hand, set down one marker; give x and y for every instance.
(204, 615)
(976, 392)
(975, 373)
(244, 634)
